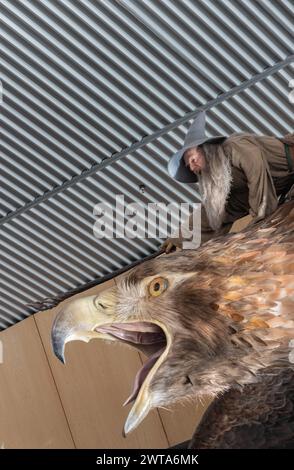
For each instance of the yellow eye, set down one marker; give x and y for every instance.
(157, 286)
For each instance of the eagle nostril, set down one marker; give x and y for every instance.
(99, 302)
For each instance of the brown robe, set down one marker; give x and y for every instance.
(260, 175)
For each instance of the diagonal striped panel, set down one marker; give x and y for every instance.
(96, 98)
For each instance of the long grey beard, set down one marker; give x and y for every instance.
(215, 184)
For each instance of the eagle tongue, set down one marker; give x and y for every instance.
(136, 337)
(142, 374)
(148, 335)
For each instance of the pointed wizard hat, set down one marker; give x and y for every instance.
(195, 137)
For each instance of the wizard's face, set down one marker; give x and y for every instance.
(194, 159)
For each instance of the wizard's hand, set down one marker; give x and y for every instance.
(171, 244)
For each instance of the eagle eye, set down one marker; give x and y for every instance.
(157, 286)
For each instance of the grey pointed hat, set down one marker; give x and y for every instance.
(195, 137)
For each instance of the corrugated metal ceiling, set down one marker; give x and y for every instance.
(97, 95)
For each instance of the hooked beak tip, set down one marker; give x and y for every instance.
(60, 357)
(58, 349)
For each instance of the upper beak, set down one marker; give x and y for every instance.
(78, 319)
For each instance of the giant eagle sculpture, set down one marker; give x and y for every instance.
(215, 321)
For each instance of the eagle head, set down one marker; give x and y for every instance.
(207, 319)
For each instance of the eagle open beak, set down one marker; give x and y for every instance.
(92, 317)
